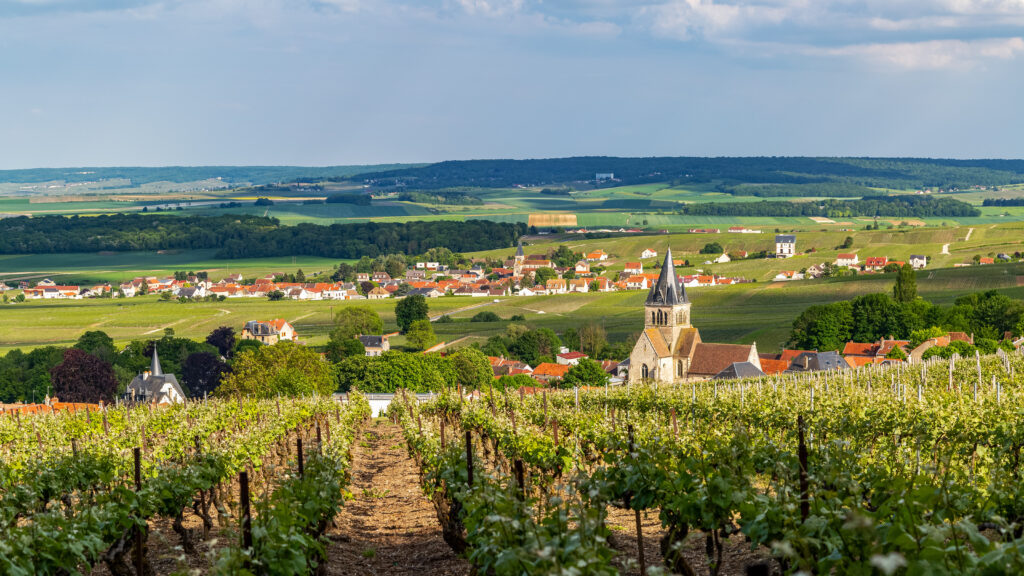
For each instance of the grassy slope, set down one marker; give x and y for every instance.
(761, 312)
(117, 267)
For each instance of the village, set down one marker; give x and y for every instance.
(520, 276)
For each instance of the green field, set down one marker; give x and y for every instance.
(758, 312)
(122, 266)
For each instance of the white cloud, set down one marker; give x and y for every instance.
(491, 7)
(932, 54)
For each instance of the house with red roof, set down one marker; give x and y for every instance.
(875, 262)
(547, 372)
(571, 358)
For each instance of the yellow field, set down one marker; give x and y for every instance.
(552, 220)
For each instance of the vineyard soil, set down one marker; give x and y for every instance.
(389, 527)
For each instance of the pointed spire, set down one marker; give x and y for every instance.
(519, 249)
(155, 367)
(667, 291)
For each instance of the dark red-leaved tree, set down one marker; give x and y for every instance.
(82, 377)
(202, 372)
(223, 339)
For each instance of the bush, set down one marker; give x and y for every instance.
(485, 316)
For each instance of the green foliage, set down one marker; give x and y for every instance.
(420, 335)
(896, 353)
(395, 370)
(585, 373)
(246, 236)
(515, 382)
(542, 275)
(285, 368)
(338, 350)
(352, 321)
(919, 336)
(712, 248)
(485, 316)
(409, 310)
(905, 289)
(472, 369)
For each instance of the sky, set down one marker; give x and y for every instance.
(334, 82)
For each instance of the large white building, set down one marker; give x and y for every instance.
(785, 245)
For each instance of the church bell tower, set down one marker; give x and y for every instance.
(667, 306)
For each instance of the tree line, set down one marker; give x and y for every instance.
(902, 206)
(247, 236)
(904, 316)
(1003, 202)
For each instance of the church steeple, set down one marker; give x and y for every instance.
(154, 369)
(668, 291)
(519, 250)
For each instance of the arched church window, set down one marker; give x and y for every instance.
(679, 368)
(644, 372)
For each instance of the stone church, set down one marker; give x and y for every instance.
(670, 349)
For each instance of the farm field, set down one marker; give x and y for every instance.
(897, 244)
(759, 312)
(603, 207)
(122, 266)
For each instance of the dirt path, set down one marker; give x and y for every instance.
(945, 249)
(389, 527)
(969, 232)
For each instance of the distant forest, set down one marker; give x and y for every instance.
(903, 206)
(893, 173)
(247, 236)
(1003, 202)
(230, 174)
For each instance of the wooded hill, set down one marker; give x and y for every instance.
(247, 236)
(895, 173)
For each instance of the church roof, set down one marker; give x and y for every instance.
(519, 250)
(710, 359)
(688, 340)
(667, 291)
(658, 341)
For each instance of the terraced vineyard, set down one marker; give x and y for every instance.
(909, 471)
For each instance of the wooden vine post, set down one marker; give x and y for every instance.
(243, 500)
(639, 526)
(298, 447)
(805, 503)
(520, 479)
(469, 458)
(442, 434)
(140, 531)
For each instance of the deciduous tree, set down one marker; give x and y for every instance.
(82, 377)
(409, 310)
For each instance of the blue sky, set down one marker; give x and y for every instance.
(316, 82)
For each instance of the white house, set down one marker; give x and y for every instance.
(648, 253)
(583, 267)
(634, 268)
(788, 275)
(918, 262)
(723, 259)
(846, 260)
(155, 386)
(785, 245)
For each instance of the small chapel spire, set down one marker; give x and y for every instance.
(155, 367)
